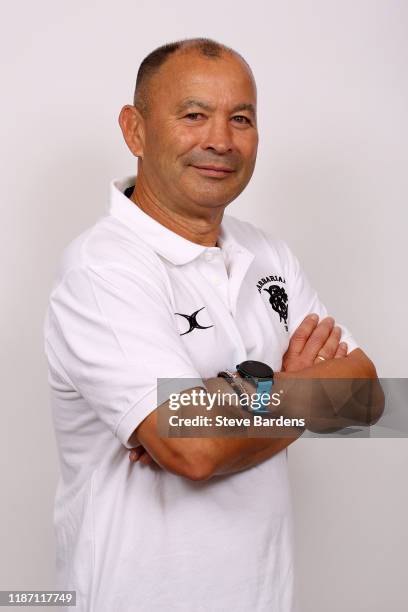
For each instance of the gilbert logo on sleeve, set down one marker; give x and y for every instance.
(192, 321)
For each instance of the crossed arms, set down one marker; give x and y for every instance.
(204, 458)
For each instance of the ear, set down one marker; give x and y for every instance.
(133, 129)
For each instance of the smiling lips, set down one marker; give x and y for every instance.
(214, 170)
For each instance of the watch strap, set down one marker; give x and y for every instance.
(234, 380)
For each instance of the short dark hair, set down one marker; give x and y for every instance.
(152, 62)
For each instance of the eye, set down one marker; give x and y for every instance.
(241, 119)
(194, 116)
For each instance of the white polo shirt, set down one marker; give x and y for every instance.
(133, 302)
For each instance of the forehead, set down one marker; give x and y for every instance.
(192, 75)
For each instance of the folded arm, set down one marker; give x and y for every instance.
(203, 458)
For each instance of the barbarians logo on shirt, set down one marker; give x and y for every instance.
(278, 298)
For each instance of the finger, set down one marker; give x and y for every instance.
(330, 347)
(302, 333)
(135, 453)
(146, 458)
(341, 351)
(318, 339)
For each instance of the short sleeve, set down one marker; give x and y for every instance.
(303, 299)
(113, 334)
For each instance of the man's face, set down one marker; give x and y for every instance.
(201, 137)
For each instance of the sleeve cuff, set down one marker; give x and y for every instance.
(154, 398)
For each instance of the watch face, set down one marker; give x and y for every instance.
(257, 369)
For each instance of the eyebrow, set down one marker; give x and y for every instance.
(205, 106)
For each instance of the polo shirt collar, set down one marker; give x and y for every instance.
(164, 241)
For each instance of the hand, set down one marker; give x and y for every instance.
(310, 339)
(140, 454)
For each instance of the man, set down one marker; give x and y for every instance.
(168, 287)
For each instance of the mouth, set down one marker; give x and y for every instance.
(217, 171)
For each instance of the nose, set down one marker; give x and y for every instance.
(218, 137)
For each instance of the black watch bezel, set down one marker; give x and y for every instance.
(255, 369)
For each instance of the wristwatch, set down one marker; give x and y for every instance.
(259, 374)
(256, 372)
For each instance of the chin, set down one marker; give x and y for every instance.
(212, 201)
(213, 197)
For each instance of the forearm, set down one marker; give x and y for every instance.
(222, 453)
(227, 455)
(330, 396)
(333, 394)
(201, 458)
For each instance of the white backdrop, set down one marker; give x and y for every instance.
(331, 179)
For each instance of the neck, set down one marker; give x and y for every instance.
(197, 228)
